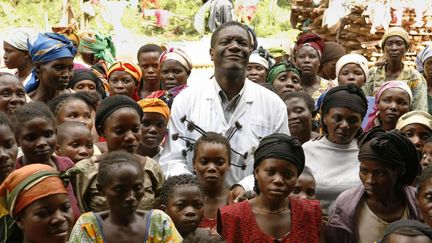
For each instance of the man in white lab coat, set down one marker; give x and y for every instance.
(227, 103)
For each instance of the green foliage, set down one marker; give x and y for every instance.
(267, 22)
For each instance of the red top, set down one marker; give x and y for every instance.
(207, 223)
(239, 224)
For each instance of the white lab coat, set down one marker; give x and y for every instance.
(259, 111)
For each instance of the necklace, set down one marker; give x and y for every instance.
(274, 212)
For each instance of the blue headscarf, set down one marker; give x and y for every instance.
(422, 57)
(45, 48)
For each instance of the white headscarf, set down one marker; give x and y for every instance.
(360, 60)
(18, 37)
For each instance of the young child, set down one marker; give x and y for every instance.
(182, 198)
(120, 179)
(75, 141)
(426, 157)
(35, 127)
(8, 147)
(305, 186)
(211, 163)
(74, 107)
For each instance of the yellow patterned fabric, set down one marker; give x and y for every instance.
(416, 81)
(160, 228)
(89, 199)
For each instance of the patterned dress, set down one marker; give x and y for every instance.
(416, 81)
(88, 196)
(239, 225)
(159, 229)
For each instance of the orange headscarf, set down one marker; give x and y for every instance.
(130, 68)
(155, 105)
(28, 184)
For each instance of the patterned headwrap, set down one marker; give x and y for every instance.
(422, 57)
(69, 32)
(312, 40)
(100, 45)
(131, 68)
(281, 67)
(391, 148)
(177, 55)
(28, 184)
(18, 38)
(155, 105)
(373, 116)
(360, 60)
(46, 47)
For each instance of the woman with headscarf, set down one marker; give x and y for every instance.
(35, 199)
(395, 43)
(333, 158)
(154, 127)
(392, 100)
(333, 51)
(272, 216)
(52, 55)
(118, 120)
(175, 68)
(124, 78)
(424, 66)
(258, 66)
(308, 53)
(417, 127)
(98, 51)
(86, 80)
(388, 166)
(285, 78)
(16, 53)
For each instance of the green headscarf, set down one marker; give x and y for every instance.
(100, 45)
(280, 68)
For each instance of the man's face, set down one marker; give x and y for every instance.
(232, 48)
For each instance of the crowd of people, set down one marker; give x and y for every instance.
(316, 147)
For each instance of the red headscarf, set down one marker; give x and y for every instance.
(310, 39)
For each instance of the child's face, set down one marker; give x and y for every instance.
(426, 155)
(304, 188)
(122, 130)
(75, 110)
(37, 139)
(124, 190)
(77, 144)
(424, 198)
(149, 63)
(211, 163)
(154, 126)
(185, 207)
(8, 151)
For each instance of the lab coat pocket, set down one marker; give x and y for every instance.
(259, 131)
